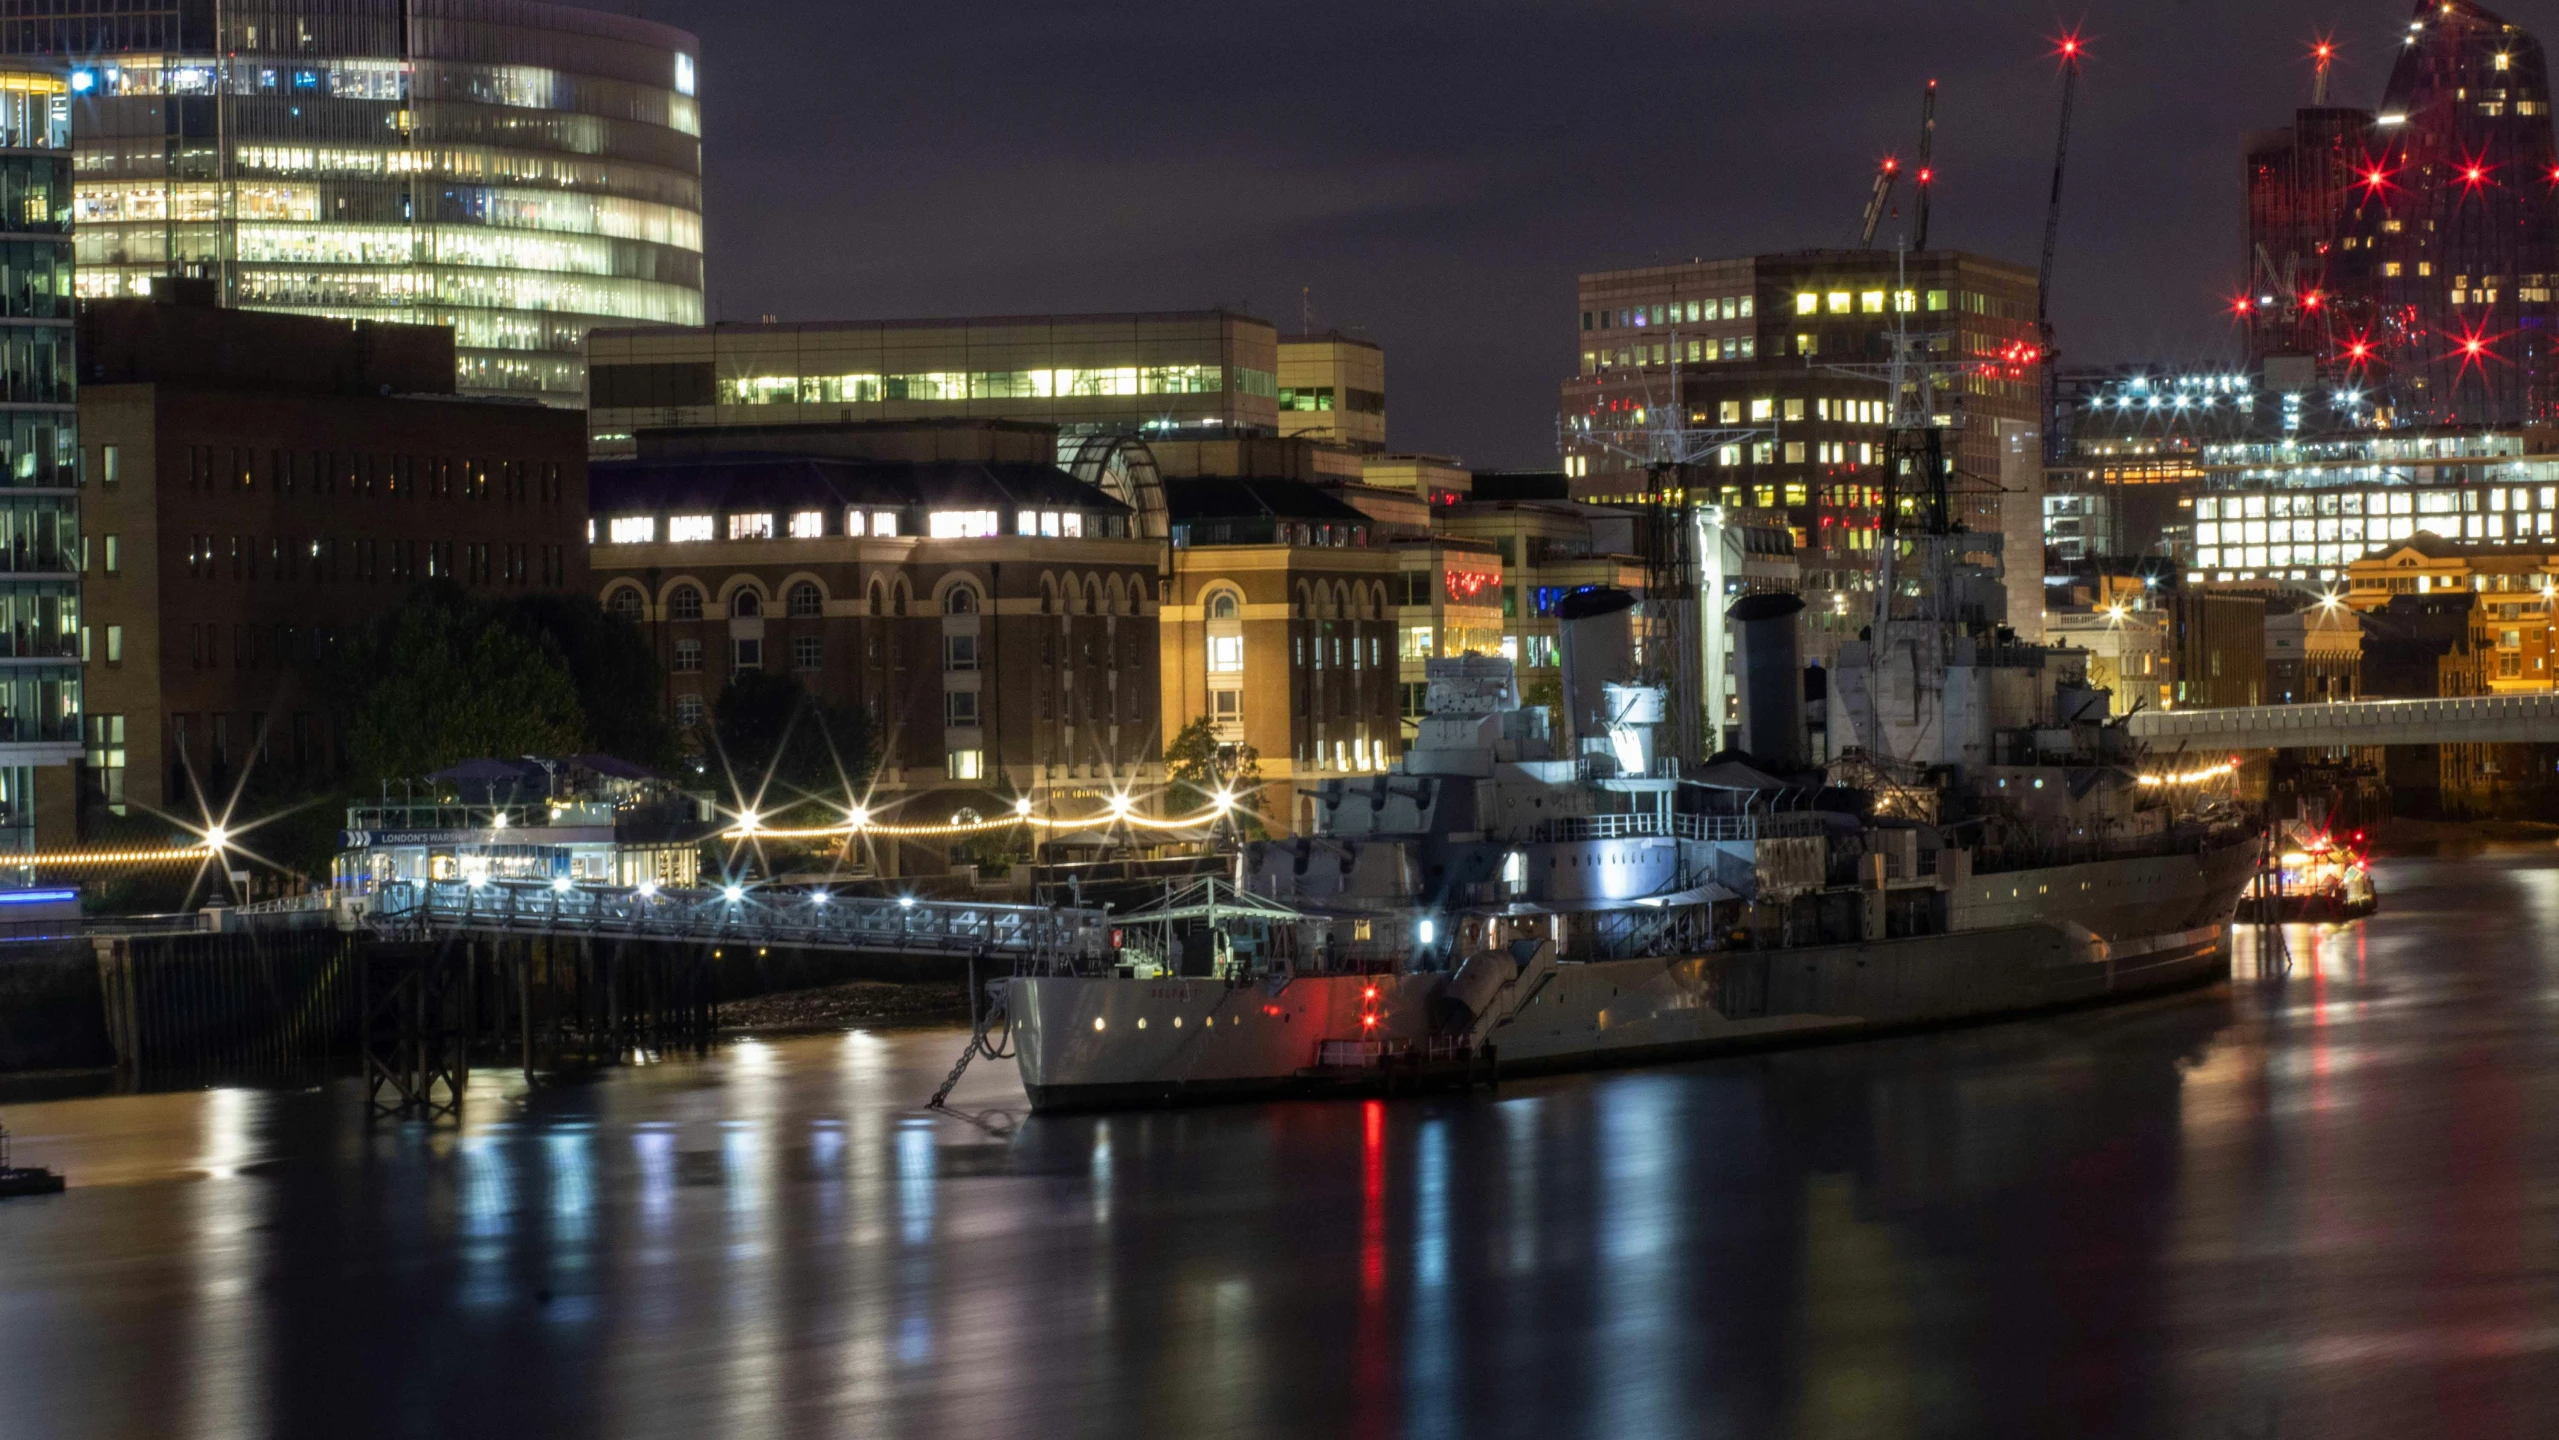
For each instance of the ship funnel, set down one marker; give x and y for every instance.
(1598, 634)
(1772, 678)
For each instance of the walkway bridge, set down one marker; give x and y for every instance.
(2472, 720)
(809, 919)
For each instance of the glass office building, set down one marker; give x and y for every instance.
(40, 632)
(520, 172)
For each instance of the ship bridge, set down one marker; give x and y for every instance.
(2469, 720)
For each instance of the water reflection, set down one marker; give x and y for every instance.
(2313, 1198)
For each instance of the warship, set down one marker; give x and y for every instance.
(1519, 895)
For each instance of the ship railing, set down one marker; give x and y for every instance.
(1686, 827)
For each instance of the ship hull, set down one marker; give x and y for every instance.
(1099, 1042)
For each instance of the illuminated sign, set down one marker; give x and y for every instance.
(1465, 585)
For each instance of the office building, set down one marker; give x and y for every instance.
(1332, 388)
(2305, 511)
(1204, 374)
(41, 728)
(261, 485)
(1789, 355)
(993, 616)
(2314, 654)
(520, 172)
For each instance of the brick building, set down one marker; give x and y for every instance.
(991, 614)
(258, 486)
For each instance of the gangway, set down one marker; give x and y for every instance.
(806, 918)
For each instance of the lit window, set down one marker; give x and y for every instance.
(1072, 523)
(963, 524)
(853, 522)
(1417, 643)
(884, 523)
(751, 527)
(1225, 654)
(633, 529)
(1871, 302)
(1807, 303)
(808, 524)
(680, 528)
(1765, 409)
(1838, 302)
(967, 764)
(1026, 522)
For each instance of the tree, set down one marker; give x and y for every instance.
(781, 743)
(442, 679)
(1197, 766)
(615, 672)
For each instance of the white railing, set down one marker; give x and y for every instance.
(746, 915)
(1762, 826)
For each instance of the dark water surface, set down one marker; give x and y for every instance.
(2322, 1204)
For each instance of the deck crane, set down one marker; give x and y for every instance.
(2069, 51)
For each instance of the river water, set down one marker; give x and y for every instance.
(2322, 1202)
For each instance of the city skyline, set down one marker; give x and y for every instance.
(1437, 186)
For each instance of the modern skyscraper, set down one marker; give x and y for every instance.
(40, 630)
(2453, 230)
(2303, 289)
(521, 172)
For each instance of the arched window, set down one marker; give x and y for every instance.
(897, 600)
(1048, 596)
(879, 599)
(684, 604)
(746, 603)
(961, 601)
(806, 602)
(1222, 606)
(625, 604)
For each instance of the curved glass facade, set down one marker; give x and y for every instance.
(520, 172)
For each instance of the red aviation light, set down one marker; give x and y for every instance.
(1369, 994)
(2241, 305)
(1892, 165)
(2374, 178)
(1928, 174)
(2066, 49)
(1370, 1020)
(2311, 300)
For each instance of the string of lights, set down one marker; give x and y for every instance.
(67, 859)
(859, 822)
(2194, 777)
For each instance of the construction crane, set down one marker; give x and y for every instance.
(1889, 174)
(2069, 52)
(1885, 175)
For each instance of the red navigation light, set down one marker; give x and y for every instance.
(2325, 51)
(2375, 178)
(2068, 46)
(2311, 300)
(1369, 994)
(2474, 175)
(1368, 1020)
(1891, 165)
(1929, 173)
(2241, 305)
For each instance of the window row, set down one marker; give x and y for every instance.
(1675, 312)
(244, 557)
(326, 472)
(857, 522)
(952, 385)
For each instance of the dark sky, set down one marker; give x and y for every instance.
(1437, 172)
